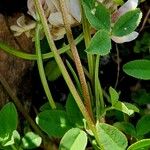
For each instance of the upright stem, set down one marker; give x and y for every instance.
(64, 71)
(118, 67)
(76, 57)
(41, 69)
(98, 90)
(75, 76)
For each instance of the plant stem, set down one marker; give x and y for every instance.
(101, 94)
(97, 96)
(118, 67)
(85, 70)
(41, 68)
(75, 76)
(106, 96)
(27, 56)
(64, 71)
(76, 57)
(98, 90)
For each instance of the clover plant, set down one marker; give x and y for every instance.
(82, 121)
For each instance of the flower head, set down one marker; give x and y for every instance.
(54, 17)
(23, 27)
(55, 20)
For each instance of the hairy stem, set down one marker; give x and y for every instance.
(76, 57)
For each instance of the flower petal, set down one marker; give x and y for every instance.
(129, 5)
(53, 5)
(56, 19)
(16, 28)
(31, 7)
(17, 33)
(75, 9)
(21, 21)
(127, 38)
(31, 25)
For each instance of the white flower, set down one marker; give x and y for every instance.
(52, 6)
(75, 9)
(31, 7)
(55, 19)
(126, 38)
(129, 5)
(22, 27)
(54, 16)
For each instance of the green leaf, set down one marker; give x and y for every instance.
(73, 112)
(111, 138)
(114, 96)
(97, 14)
(100, 43)
(31, 140)
(127, 23)
(138, 68)
(15, 138)
(53, 122)
(74, 139)
(143, 125)
(123, 108)
(131, 107)
(52, 70)
(8, 122)
(126, 127)
(140, 145)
